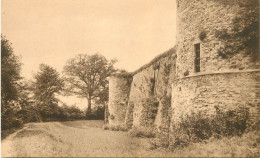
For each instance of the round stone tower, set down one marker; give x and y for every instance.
(119, 88)
(207, 79)
(199, 24)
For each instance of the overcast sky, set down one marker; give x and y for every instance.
(52, 31)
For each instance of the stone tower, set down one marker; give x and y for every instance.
(198, 75)
(205, 80)
(119, 89)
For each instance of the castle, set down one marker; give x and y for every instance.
(192, 77)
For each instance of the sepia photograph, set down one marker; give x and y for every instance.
(130, 78)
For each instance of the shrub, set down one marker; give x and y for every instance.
(97, 113)
(114, 127)
(162, 132)
(231, 122)
(202, 35)
(129, 115)
(149, 112)
(198, 127)
(142, 132)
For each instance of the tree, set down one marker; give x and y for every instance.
(28, 111)
(10, 72)
(87, 77)
(46, 86)
(10, 77)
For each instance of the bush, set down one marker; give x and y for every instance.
(149, 112)
(202, 35)
(114, 127)
(198, 127)
(142, 132)
(129, 115)
(70, 113)
(97, 113)
(162, 133)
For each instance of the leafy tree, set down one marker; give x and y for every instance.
(46, 86)
(28, 111)
(10, 77)
(10, 72)
(245, 31)
(87, 77)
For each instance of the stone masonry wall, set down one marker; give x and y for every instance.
(221, 83)
(152, 81)
(207, 92)
(140, 89)
(119, 88)
(208, 16)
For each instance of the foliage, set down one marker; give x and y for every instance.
(10, 77)
(166, 72)
(156, 59)
(114, 127)
(198, 127)
(237, 146)
(245, 32)
(45, 88)
(97, 113)
(27, 111)
(202, 35)
(87, 77)
(16, 103)
(147, 132)
(149, 111)
(162, 132)
(23, 102)
(67, 113)
(129, 115)
(10, 72)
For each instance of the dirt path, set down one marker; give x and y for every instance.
(75, 138)
(87, 139)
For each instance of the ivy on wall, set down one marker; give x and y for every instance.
(150, 108)
(245, 32)
(129, 115)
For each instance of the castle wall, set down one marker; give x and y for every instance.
(224, 91)
(222, 83)
(197, 16)
(140, 90)
(152, 80)
(119, 88)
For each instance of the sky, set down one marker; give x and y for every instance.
(53, 31)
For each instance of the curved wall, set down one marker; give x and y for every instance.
(207, 92)
(119, 88)
(208, 16)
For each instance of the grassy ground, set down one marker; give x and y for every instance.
(87, 139)
(247, 145)
(5, 133)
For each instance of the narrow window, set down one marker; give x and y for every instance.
(197, 57)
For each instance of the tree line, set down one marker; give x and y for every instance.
(22, 101)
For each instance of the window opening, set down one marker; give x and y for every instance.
(197, 57)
